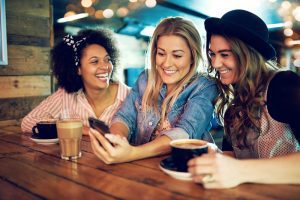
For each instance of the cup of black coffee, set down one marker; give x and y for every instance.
(45, 129)
(185, 149)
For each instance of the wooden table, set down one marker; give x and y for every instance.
(32, 171)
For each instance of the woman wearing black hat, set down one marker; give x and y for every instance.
(260, 106)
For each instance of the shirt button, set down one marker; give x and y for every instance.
(150, 123)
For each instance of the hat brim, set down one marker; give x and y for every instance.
(219, 26)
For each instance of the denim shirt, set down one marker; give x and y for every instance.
(189, 117)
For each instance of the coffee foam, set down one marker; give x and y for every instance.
(46, 122)
(69, 123)
(197, 143)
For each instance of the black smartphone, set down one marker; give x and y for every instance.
(99, 125)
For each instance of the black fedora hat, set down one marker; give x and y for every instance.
(245, 26)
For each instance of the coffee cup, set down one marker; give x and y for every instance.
(45, 129)
(69, 134)
(185, 149)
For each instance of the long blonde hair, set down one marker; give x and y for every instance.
(243, 101)
(170, 26)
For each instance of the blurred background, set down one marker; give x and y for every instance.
(134, 20)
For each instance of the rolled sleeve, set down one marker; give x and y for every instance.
(176, 133)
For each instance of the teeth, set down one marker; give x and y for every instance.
(102, 76)
(223, 71)
(169, 71)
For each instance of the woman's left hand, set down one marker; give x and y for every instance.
(215, 170)
(120, 151)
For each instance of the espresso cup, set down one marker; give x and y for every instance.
(69, 135)
(45, 129)
(185, 149)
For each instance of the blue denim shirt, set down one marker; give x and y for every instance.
(189, 117)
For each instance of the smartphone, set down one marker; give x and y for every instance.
(99, 125)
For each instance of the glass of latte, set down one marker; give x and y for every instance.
(69, 133)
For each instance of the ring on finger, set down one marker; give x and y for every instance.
(208, 178)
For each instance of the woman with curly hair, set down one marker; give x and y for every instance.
(85, 68)
(260, 105)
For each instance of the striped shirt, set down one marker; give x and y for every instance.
(71, 105)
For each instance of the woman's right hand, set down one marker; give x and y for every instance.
(121, 151)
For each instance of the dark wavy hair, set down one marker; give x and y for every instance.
(63, 57)
(243, 101)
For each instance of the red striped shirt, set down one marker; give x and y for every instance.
(71, 105)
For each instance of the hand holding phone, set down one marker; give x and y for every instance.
(99, 125)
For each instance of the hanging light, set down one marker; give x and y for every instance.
(122, 12)
(86, 3)
(108, 13)
(288, 32)
(72, 17)
(150, 3)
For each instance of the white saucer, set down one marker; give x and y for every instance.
(184, 176)
(167, 166)
(45, 141)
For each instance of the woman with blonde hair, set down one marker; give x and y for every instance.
(170, 100)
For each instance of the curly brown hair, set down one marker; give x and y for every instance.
(63, 61)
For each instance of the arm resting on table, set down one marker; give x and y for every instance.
(281, 170)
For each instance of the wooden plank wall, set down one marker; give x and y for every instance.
(26, 80)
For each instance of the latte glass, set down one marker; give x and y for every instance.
(69, 133)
